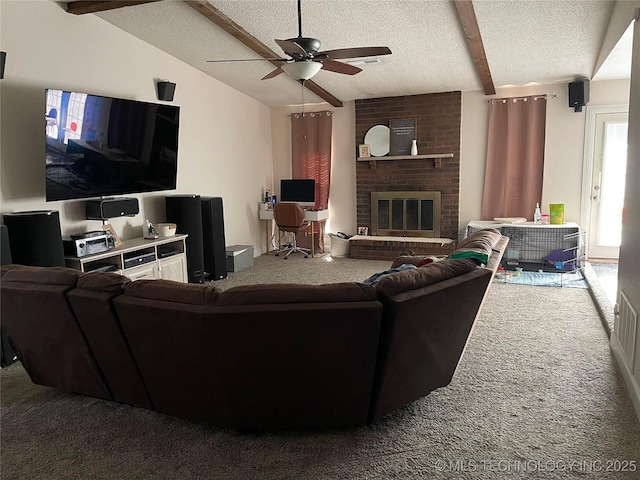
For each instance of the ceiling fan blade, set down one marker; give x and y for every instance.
(339, 67)
(250, 60)
(273, 73)
(354, 52)
(291, 48)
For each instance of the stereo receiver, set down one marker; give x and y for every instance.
(87, 243)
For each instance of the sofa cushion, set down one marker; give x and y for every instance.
(486, 237)
(478, 246)
(41, 275)
(103, 282)
(425, 276)
(170, 291)
(5, 268)
(287, 293)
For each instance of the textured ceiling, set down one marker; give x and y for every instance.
(526, 41)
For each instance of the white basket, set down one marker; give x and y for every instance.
(339, 246)
(165, 229)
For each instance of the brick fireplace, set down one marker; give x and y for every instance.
(438, 117)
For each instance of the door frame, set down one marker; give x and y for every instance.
(588, 160)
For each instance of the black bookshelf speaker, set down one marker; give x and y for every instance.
(186, 212)
(35, 238)
(166, 91)
(578, 94)
(215, 250)
(105, 208)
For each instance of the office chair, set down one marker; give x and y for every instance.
(290, 218)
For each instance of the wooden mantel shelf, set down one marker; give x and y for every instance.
(437, 157)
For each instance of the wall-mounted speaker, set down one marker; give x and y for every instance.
(578, 94)
(186, 212)
(35, 238)
(3, 58)
(215, 250)
(166, 91)
(105, 208)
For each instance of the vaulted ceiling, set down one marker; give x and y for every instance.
(433, 49)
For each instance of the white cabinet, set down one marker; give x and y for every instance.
(164, 257)
(148, 271)
(173, 268)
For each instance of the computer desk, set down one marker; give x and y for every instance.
(309, 215)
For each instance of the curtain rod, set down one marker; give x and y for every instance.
(515, 99)
(311, 114)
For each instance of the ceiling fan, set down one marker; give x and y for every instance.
(305, 60)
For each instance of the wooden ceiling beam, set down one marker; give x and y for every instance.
(467, 16)
(82, 7)
(232, 28)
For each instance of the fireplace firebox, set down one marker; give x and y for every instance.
(406, 214)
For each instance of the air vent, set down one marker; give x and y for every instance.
(625, 329)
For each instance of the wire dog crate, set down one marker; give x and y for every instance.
(544, 249)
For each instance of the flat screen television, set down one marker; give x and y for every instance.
(101, 146)
(301, 191)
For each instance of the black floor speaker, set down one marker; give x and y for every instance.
(215, 254)
(186, 212)
(35, 238)
(7, 355)
(5, 249)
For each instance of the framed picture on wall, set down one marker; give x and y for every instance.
(364, 151)
(402, 134)
(111, 231)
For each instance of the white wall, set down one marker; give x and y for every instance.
(623, 12)
(562, 182)
(225, 136)
(629, 264)
(342, 201)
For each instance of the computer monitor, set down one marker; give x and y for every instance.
(301, 191)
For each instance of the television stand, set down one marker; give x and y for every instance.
(161, 258)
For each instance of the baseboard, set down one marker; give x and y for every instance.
(629, 379)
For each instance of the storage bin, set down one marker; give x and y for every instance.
(339, 246)
(239, 257)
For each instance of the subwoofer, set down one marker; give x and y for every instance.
(186, 212)
(215, 252)
(105, 208)
(35, 238)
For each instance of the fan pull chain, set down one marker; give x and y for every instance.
(304, 127)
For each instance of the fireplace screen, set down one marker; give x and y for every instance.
(411, 214)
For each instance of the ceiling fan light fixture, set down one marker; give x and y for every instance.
(302, 70)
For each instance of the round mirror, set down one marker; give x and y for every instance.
(378, 140)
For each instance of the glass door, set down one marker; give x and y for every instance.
(607, 184)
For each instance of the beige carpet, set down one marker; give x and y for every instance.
(537, 395)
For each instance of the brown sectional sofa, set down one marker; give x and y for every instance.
(253, 357)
